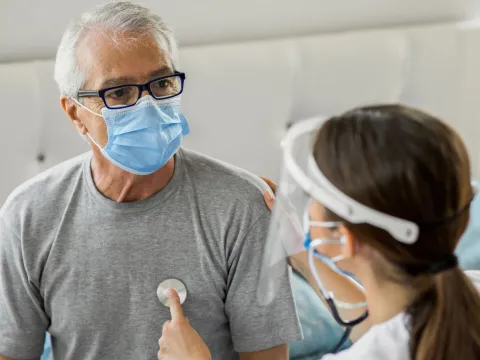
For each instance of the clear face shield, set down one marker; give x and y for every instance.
(301, 235)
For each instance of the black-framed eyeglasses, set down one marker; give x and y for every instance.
(119, 97)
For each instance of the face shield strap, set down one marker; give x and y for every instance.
(429, 225)
(448, 263)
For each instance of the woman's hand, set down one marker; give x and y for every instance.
(270, 196)
(179, 340)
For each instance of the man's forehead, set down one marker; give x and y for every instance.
(111, 61)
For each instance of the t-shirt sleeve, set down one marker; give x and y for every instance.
(255, 327)
(22, 317)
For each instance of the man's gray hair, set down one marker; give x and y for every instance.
(116, 17)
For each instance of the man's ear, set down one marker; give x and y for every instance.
(71, 109)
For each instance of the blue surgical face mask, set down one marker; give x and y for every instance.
(142, 138)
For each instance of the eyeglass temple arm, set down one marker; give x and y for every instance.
(85, 93)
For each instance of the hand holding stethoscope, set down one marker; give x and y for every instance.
(179, 340)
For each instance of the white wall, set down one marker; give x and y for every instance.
(429, 65)
(32, 28)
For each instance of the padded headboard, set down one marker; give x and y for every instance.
(240, 97)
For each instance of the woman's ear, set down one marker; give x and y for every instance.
(350, 245)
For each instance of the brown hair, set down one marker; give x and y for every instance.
(411, 165)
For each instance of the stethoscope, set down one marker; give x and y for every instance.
(175, 284)
(330, 298)
(327, 295)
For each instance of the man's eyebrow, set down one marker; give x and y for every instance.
(164, 71)
(125, 80)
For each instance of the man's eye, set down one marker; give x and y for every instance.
(162, 84)
(118, 93)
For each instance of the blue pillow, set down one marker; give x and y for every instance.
(47, 348)
(321, 332)
(468, 249)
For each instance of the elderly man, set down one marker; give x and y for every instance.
(85, 245)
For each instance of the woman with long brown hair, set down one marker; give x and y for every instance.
(383, 199)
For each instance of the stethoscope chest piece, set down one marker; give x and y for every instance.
(175, 284)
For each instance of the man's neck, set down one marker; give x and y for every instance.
(121, 186)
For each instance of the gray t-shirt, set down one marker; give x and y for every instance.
(86, 269)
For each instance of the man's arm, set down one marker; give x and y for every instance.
(23, 321)
(275, 353)
(254, 326)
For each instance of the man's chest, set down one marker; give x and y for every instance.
(106, 274)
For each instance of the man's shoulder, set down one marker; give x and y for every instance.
(223, 178)
(46, 188)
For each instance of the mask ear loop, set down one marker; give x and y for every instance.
(94, 113)
(307, 223)
(96, 144)
(331, 262)
(86, 108)
(333, 267)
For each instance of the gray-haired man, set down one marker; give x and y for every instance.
(84, 246)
